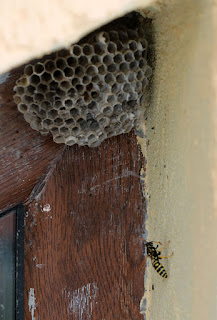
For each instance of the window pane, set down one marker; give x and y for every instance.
(7, 265)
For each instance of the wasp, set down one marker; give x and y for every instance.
(155, 256)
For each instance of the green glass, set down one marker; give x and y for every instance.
(7, 265)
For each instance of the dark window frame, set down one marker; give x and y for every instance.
(18, 259)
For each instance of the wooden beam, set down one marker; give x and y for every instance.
(25, 154)
(82, 251)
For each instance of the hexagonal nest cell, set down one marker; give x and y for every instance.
(90, 91)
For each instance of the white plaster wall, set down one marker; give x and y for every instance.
(182, 162)
(30, 29)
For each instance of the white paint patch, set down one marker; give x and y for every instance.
(81, 301)
(4, 77)
(46, 208)
(31, 302)
(40, 265)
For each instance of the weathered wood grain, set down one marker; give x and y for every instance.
(85, 211)
(82, 251)
(24, 154)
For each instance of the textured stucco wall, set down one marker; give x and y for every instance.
(29, 29)
(181, 162)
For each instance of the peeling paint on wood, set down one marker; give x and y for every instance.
(81, 301)
(40, 265)
(46, 208)
(32, 302)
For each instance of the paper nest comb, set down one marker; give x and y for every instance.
(88, 92)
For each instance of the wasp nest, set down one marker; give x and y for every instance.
(89, 92)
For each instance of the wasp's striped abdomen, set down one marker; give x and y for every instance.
(155, 255)
(159, 268)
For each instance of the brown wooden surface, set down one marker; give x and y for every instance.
(82, 256)
(24, 154)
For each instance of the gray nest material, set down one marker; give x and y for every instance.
(89, 92)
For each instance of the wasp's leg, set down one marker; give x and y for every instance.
(141, 239)
(164, 246)
(157, 242)
(160, 257)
